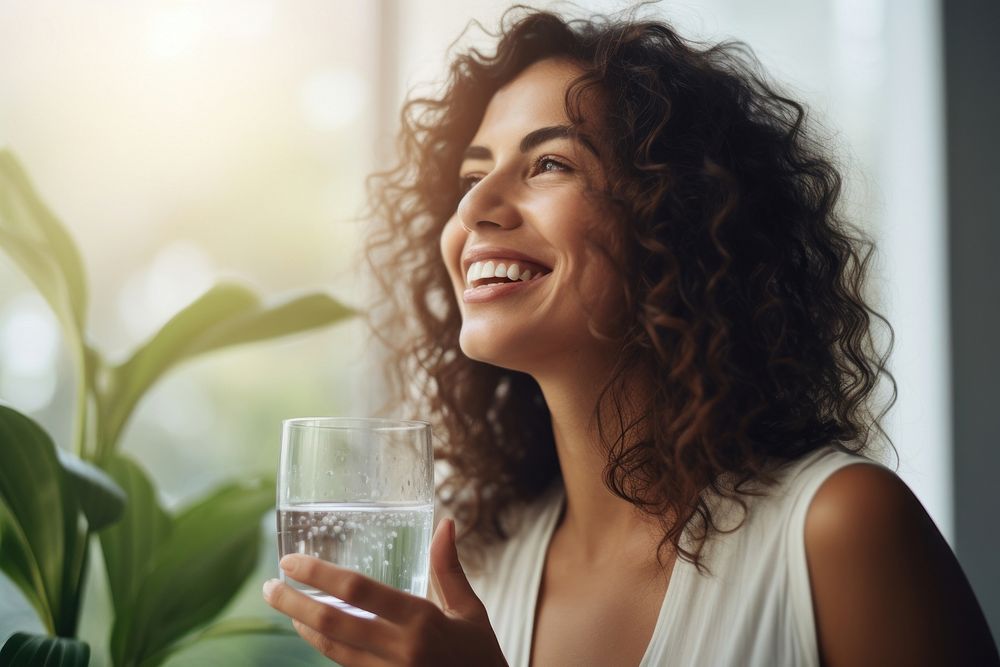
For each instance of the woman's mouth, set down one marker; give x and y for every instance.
(491, 279)
(490, 272)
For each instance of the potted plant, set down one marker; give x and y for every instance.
(169, 574)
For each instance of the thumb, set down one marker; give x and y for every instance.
(448, 578)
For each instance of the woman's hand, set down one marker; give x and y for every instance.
(407, 630)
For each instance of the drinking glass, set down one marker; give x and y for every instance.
(358, 493)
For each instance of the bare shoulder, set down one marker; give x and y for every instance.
(886, 587)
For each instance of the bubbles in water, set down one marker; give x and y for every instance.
(387, 543)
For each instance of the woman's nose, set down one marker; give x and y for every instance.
(488, 205)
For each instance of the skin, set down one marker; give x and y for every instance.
(869, 544)
(408, 631)
(546, 332)
(887, 589)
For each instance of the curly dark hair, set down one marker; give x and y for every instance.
(743, 284)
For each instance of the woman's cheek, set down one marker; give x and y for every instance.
(452, 241)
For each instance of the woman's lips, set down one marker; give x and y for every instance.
(494, 291)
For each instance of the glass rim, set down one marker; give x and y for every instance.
(349, 423)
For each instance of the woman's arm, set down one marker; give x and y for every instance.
(887, 589)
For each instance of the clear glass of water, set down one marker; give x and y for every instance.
(358, 493)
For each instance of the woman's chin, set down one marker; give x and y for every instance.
(501, 349)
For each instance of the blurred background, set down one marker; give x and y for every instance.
(186, 142)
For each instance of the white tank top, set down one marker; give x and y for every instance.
(754, 609)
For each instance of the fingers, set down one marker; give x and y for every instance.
(343, 654)
(336, 625)
(434, 592)
(435, 588)
(351, 587)
(448, 578)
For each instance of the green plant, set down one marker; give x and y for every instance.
(168, 575)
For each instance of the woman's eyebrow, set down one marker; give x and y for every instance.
(532, 139)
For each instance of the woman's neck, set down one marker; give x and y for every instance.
(596, 522)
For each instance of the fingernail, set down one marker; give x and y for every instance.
(288, 563)
(269, 587)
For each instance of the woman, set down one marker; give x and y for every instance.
(639, 323)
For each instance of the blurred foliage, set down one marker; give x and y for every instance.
(24, 650)
(170, 576)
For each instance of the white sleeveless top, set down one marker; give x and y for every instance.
(754, 609)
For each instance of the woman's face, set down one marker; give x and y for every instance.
(528, 247)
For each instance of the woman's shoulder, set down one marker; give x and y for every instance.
(809, 471)
(783, 494)
(885, 584)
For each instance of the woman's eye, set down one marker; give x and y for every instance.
(465, 183)
(542, 165)
(549, 164)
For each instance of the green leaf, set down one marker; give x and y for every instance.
(94, 367)
(42, 270)
(129, 546)
(209, 554)
(99, 496)
(224, 316)
(18, 562)
(300, 314)
(24, 216)
(74, 558)
(40, 245)
(170, 346)
(228, 628)
(31, 512)
(24, 650)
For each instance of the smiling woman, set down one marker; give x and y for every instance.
(529, 200)
(637, 317)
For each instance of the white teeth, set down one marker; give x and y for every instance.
(498, 269)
